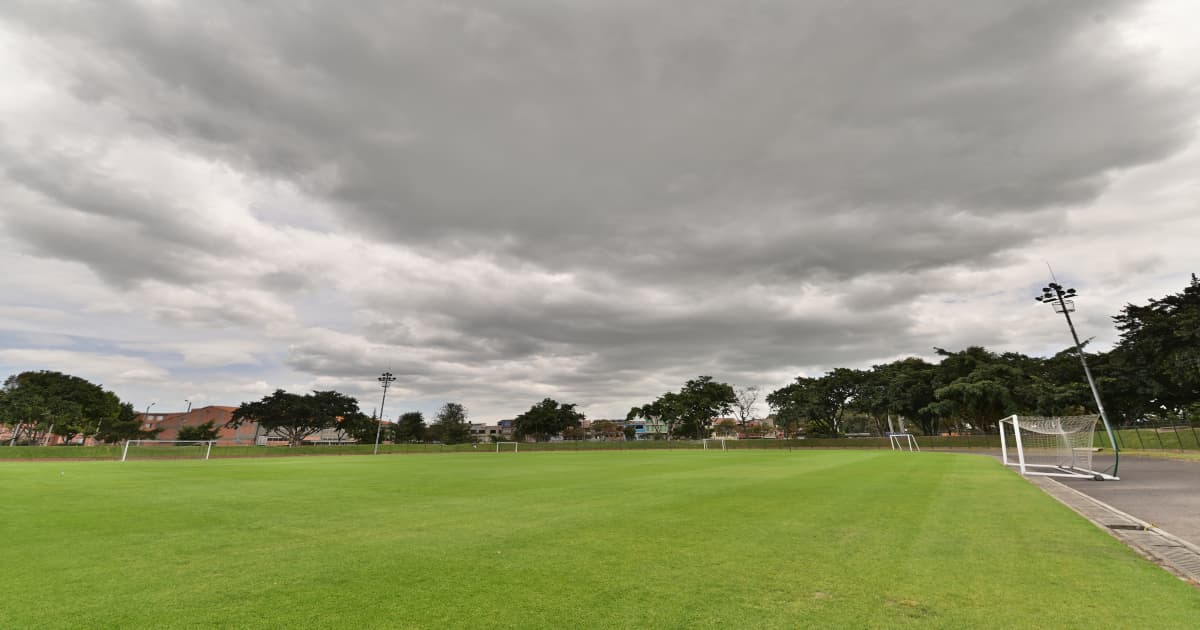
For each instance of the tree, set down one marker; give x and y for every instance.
(903, 388)
(206, 431)
(65, 405)
(702, 399)
(1158, 354)
(450, 425)
(295, 417)
(747, 399)
(663, 411)
(690, 411)
(546, 419)
(410, 427)
(126, 426)
(978, 387)
(359, 427)
(821, 402)
(727, 427)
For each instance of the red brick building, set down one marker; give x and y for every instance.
(170, 423)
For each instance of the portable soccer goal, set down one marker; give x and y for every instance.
(504, 446)
(1055, 446)
(167, 449)
(714, 444)
(904, 442)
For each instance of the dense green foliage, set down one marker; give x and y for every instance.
(36, 403)
(1152, 376)
(409, 427)
(546, 419)
(450, 425)
(296, 417)
(1156, 367)
(690, 411)
(126, 426)
(635, 539)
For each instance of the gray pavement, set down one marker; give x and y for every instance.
(1165, 492)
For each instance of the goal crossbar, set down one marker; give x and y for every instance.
(206, 445)
(1054, 446)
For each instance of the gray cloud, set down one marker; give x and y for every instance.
(596, 197)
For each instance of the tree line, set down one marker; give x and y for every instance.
(41, 403)
(1152, 373)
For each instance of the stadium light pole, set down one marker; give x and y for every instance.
(1062, 300)
(385, 380)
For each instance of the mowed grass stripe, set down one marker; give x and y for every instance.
(592, 539)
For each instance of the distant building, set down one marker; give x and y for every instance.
(247, 434)
(648, 429)
(170, 423)
(502, 431)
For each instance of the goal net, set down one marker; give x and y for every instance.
(714, 444)
(167, 449)
(507, 446)
(1054, 446)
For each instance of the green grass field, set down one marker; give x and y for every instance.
(593, 539)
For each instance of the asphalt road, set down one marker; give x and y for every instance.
(1165, 492)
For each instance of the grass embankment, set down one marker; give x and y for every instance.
(615, 539)
(1187, 457)
(1181, 438)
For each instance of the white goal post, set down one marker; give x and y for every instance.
(904, 442)
(515, 446)
(201, 449)
(1050, 446)
(714, 443)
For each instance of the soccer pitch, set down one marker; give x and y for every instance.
(753, 539)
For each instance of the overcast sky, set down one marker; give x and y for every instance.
(592, 201)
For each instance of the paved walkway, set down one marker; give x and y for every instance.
(1164, 492)
(1160, 546)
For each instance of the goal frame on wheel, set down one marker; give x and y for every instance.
(1069, 443)
(207, 444)
(516, 446)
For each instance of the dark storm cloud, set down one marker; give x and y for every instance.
(598, 132)
(688, 172)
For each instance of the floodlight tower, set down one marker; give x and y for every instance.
(1063, 301)
(385, 380)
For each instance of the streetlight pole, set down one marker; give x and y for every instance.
(1063, 302)
(385, 380)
